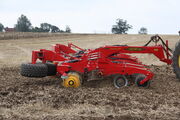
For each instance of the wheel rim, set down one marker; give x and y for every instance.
(73, 80)
(120, 82)
(179, 61)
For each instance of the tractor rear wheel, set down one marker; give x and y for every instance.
(139, 78)
(120, 81)
(176, 60)
(34, 70)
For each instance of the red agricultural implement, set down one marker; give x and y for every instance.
(76, 66)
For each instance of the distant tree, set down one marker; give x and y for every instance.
(36, 29)
(23, 24)
(1, 27)
(179, 33)
(121, 27)
(143, 30)
(68, 30)
(62, 31)
(46, 27)
(54, 29)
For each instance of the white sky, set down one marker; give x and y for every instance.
(90, 16)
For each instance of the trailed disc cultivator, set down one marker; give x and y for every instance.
(76, 66)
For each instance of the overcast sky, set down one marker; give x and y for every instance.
(95, 16)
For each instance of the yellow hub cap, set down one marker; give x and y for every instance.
(73, 80)
(179, 61)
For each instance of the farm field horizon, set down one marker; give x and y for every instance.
(17, 51)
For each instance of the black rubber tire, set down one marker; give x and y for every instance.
(51, 69)
(175, 60)
(123, 80)
(34, 70)
(139, 78)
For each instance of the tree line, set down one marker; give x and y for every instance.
(24, 25)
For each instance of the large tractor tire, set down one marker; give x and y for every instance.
(34, 70)
(51, 69)
(176, 60)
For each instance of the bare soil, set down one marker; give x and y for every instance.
(45, 98)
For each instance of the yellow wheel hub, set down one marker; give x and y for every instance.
(179, 61)
(73, 80)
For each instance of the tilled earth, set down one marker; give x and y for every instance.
(45, 98)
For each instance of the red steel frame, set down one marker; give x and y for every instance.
(59, 52)
(109, 60)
